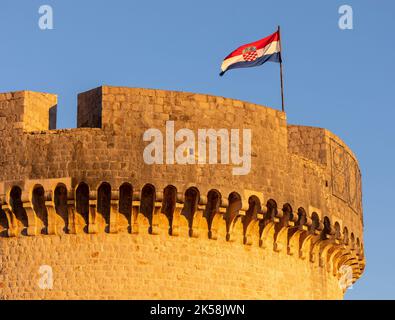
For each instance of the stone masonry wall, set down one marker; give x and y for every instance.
(304, 184)
(123, 266)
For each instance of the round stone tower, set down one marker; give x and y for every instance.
(172, 195)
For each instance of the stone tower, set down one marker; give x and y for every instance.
(83, 208)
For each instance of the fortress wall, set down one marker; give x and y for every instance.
(121, 266)
(308, 142)
(115, 152)
(341, 171)
(287, 167)
(121, 146)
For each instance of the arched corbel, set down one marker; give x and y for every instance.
(251, 221)
(213, 213)
(235, 232)
(71, 209)
(179, 223)
(190, 209)
(51, 212)
(169, 203)
(199, 223)
(320, 249)
(158, 217)
(92, 225)
(12, 228)
(320, 245)
(114, 212)
(31, 215)
(135, 212)
(287, 220)
(308, 239)
(333, 243)
(233, 217)
(302, 226)
(341, 259)
(339, 241)
(267, 225)
(146, 219)
(125, 199)
(331, 254)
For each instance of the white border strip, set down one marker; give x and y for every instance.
(271, 48)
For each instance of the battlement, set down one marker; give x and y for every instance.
(297, 210)
(28, 110)
(89, 113)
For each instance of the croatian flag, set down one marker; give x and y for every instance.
(254, 54)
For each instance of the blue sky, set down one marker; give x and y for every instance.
(342, 80)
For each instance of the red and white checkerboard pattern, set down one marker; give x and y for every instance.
(250, 55)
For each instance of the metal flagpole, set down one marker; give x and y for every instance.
(281, 71)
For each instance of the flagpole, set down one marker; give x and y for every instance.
(281, 71)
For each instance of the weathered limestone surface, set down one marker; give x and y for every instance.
(84, 202)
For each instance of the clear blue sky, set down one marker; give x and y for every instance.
(342, 80)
